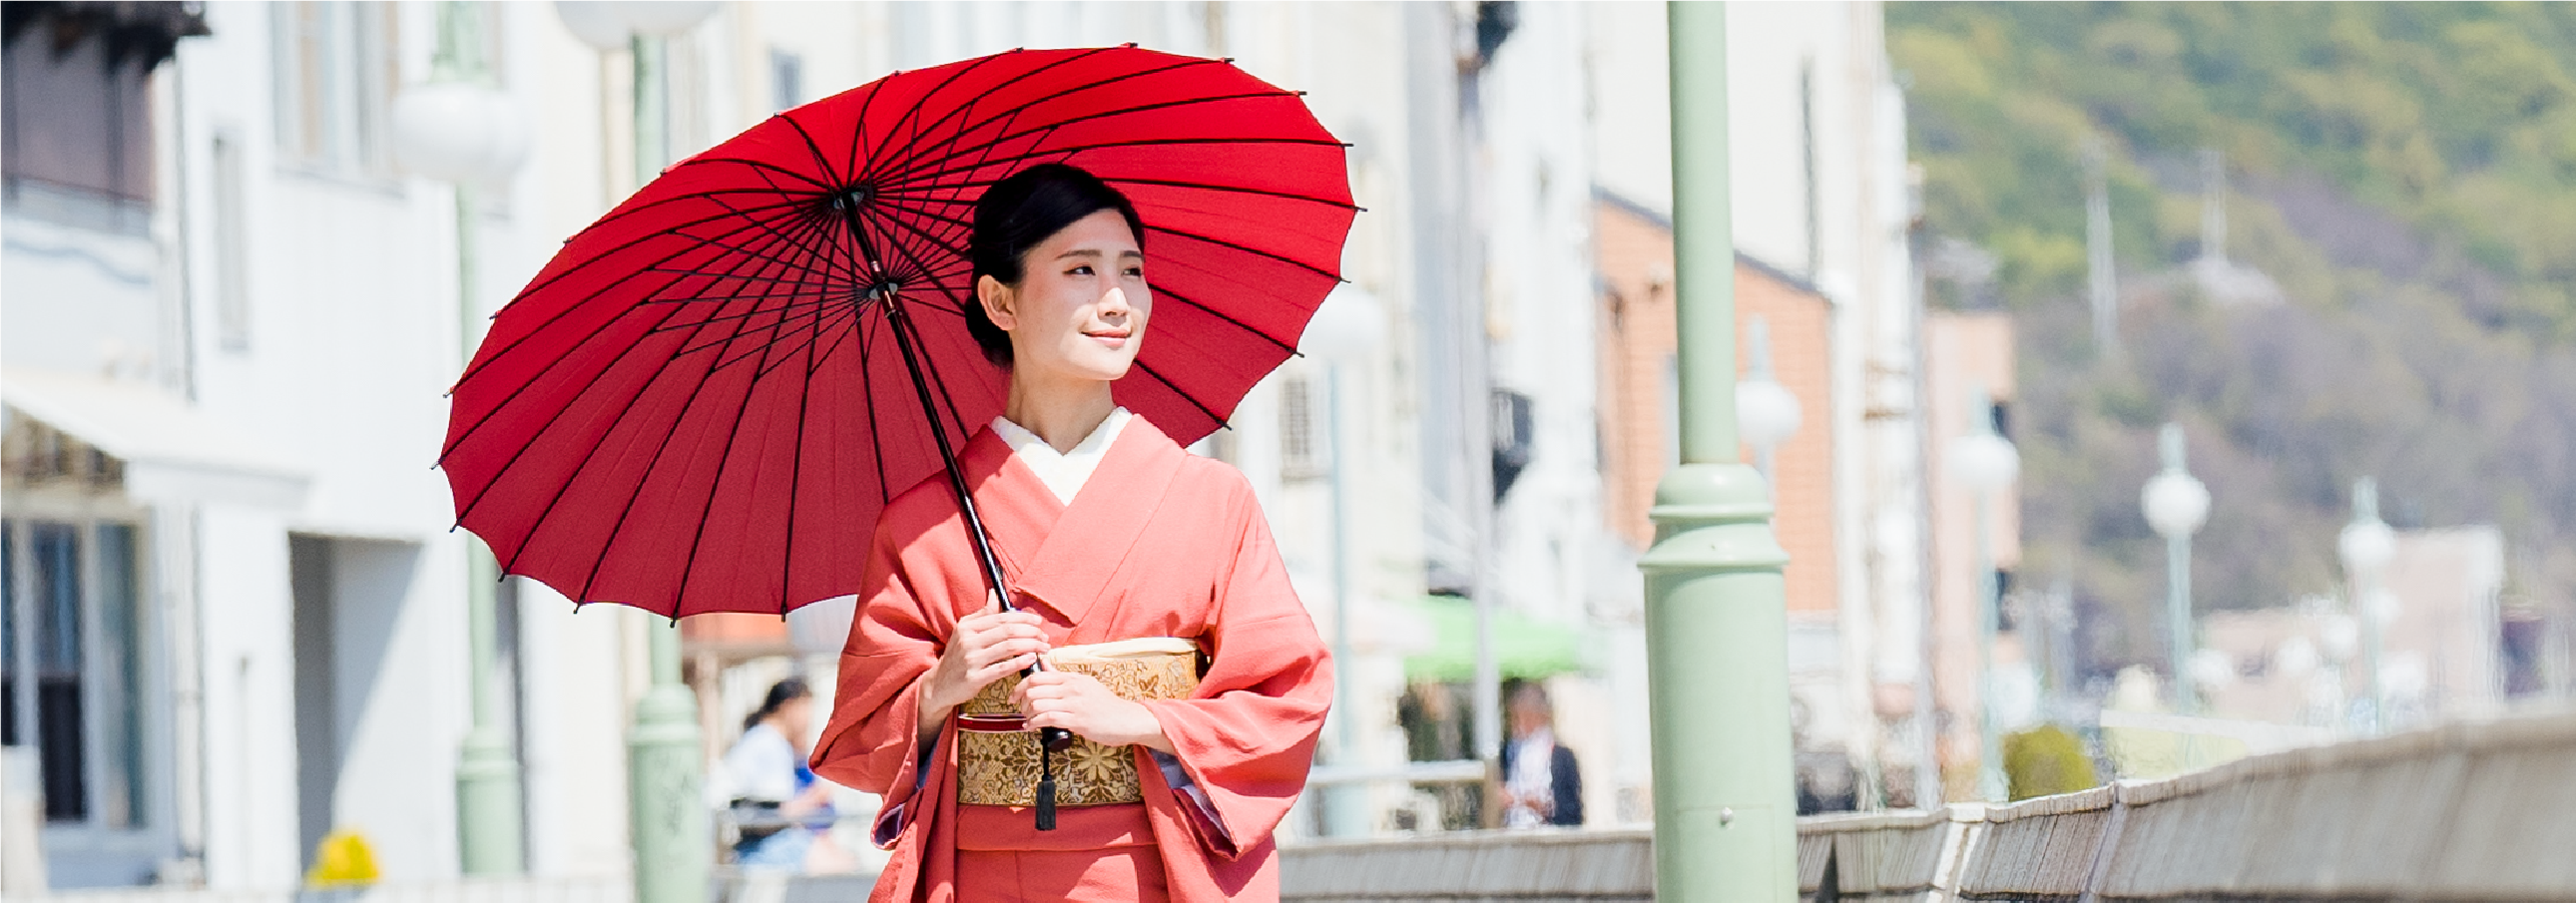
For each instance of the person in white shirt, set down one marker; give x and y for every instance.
(1542, 785)
(761, 770)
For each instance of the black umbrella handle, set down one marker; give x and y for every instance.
(1053, 738)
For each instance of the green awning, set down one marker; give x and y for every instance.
(1524, 647)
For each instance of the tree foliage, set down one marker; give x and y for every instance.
(2405, 172)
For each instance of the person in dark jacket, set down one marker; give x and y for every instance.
(1542, 785)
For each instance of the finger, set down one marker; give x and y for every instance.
(992, 672)
(992, 603)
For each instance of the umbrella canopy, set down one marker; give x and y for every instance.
(700, 404)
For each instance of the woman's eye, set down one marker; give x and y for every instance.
(1136, 272)
(1079, 271)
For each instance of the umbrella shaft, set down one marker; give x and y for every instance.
(907, 340)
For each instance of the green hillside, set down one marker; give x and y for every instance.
(2405, 173)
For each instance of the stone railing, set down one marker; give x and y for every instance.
(2473, 811)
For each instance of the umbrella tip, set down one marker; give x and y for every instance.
(1225, 59)
(1131, 45)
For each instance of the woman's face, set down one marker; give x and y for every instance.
(1079, 311)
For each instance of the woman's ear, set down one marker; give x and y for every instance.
(998, 299)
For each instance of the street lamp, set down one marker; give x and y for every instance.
(666, 815)
(1765, 411)
(457, 128)
(2176, 505)
(2365, 546)
(1986, 464)
(1717, 620)
(1344, 332)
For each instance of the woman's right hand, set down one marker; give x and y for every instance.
(987, 645)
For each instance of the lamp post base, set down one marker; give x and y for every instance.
(1718, 674)
(487, 806)
(672, 836)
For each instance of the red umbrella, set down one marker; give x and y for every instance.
(703, 401)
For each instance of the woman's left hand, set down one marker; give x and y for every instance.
(1080, 704)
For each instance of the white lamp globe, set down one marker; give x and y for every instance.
(443, 130)
(662, 18)
(2296, 657)
(1347, 328)
(2212, 668)
(1766, 412)
(2341, 636)
(1985, 462)
(507, 147)
(2176, 504)
(2382, 606)
(597, 23)
(2366, 547)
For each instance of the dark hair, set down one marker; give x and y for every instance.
(780, 694)
(1016, 215)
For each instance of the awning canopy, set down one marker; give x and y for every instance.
(1523, 647)
(170, 452)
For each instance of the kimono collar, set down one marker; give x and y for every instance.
(1064, 473)
(1063, 555)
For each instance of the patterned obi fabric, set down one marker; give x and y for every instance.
(998, 757)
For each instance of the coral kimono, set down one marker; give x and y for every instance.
(1156, 542)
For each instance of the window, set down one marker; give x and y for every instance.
(71, 668)
(786, 79)
(336, 76)
(77, 131)
(232, 252)
(1301, 452)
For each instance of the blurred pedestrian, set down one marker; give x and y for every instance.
(1542, 785)
(772, 808)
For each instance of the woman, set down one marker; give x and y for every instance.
(1109, 531)
(769, 804)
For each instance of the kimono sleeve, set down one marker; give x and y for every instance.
(871, 741)
(1247, 737)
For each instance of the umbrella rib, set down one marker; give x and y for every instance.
(816, 229)
(512, 397)
(1070, 150)
(1236, 189)
(724, 463)
(1257, 252)
(622, 213)
(1177, 390)
(874, 174)
(803, 308)
(1015, 109)
(1222, 315)
(618, 529)
(585, 341)
(909, 114)
(1059, 124)
(522, 451)
(944, 395)
(480, 362)
(820, 187)
(935, 375)
(868, 384)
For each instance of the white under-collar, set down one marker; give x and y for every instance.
(1062, 472)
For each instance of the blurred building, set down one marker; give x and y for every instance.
(2441, 650)
(1640, 441)
(1823, 200)
(1969, 357)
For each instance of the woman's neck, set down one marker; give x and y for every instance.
(1062, 412)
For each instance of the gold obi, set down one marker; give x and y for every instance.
(997, 759)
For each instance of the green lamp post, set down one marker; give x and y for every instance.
(456, 128)
(673, 833)
(1716, 613)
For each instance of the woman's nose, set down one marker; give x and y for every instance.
(1115, 302)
